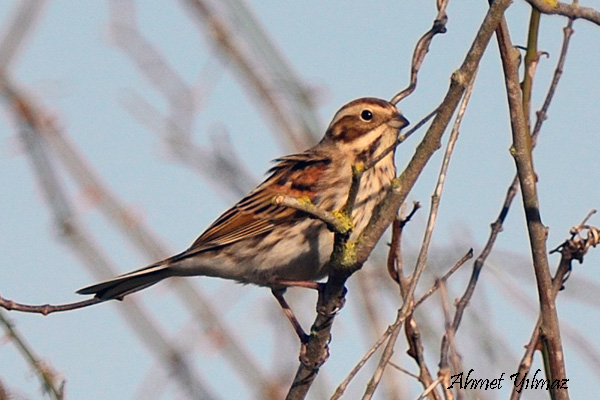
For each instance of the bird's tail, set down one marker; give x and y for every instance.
(122, 285)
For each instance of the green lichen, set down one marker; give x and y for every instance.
(345, 221)
(305, 200)
(349, 254)
(359, 168)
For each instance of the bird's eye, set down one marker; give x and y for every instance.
(366, 115)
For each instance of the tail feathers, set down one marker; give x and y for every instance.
(122, 285)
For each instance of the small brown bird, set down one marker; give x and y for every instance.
(259, 242)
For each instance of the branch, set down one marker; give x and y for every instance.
(422, 48)
(541, 115)
(522, 154)
(337, 222)
(46, 309)
(497, 225)
(394, 261)
(342, 386)
(387, 210)
(573, 11)
(531, 60)
(444, 278)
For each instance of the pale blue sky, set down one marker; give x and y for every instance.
(341, 50)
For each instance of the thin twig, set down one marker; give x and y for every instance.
(429, 389)
(337, 223)
(416, 351)
(422, 48)
(445, 277)
(403, 370)
(455, 364)
(401, 138)
(46, 309)
(531, 61)
(541, 115)
(394, 260)
(339, 391)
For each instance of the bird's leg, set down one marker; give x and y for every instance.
(318, 286)
(278, 293)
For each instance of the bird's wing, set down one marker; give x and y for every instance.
(295, 175)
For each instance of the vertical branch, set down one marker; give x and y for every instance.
(531, 59)
(522, 154)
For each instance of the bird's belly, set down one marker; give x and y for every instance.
(294, 253)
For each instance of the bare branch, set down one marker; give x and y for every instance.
(344, 384)
(444, 278)
(415, 350)
(429, 389)
(394, 261)
(336, 222)
(531, 60)
(522, 154)
(541, 115)
(46, 309)
(341, 266)
(422, 48)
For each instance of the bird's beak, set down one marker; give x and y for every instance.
(398, 121)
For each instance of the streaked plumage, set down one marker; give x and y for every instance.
(259, 242)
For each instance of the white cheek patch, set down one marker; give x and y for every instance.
(365, 141)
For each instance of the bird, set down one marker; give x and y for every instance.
(258, 241)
